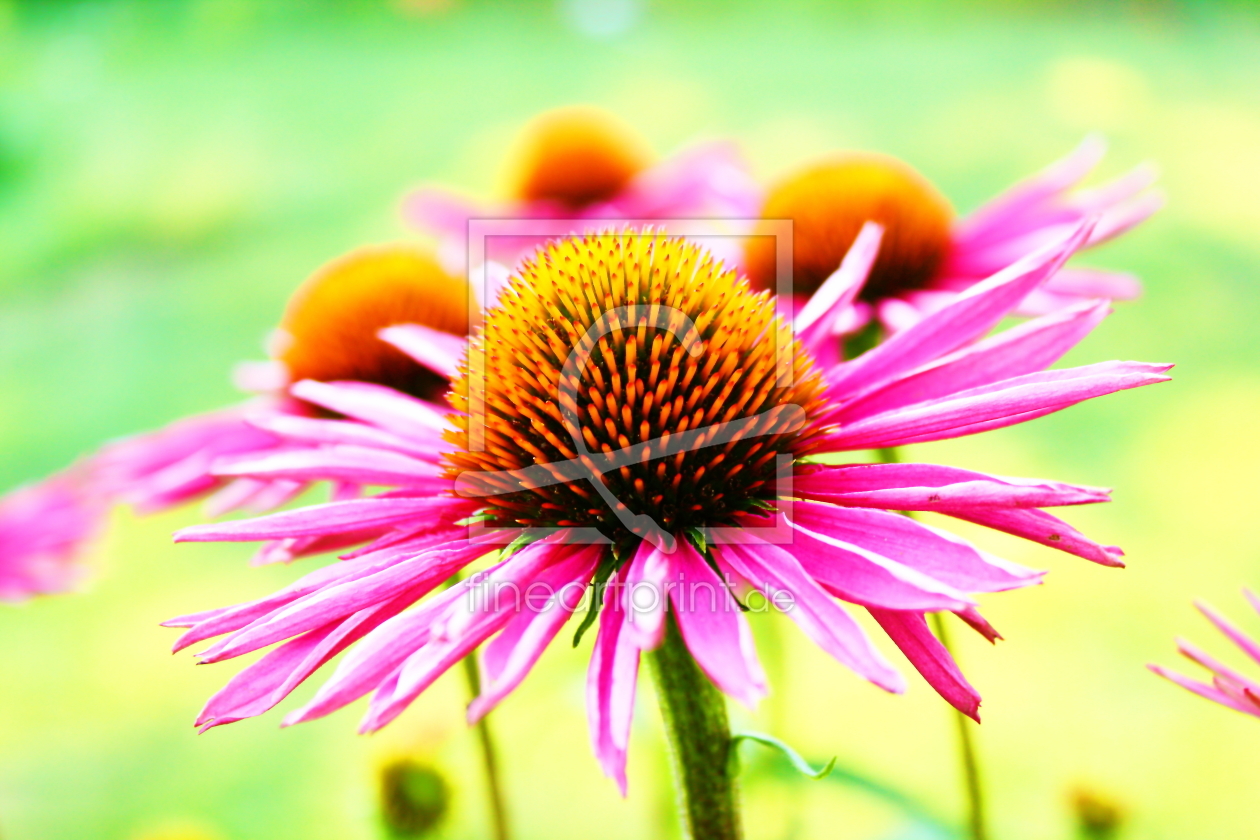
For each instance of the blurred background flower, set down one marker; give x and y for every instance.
(170, 172)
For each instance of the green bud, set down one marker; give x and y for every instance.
(414, 798)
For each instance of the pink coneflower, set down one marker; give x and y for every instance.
(584, 164)
(637, 420)
(1228, 687)
(328, 333)
(928, 256)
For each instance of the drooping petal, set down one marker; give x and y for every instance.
(429, 639)
(467, 623)
(773, 570)
(610, 684)
(860, 575)
(420, 573)
(1093, 283)
(714, 629)
(940, 556)
(645, 596)
(1041, 527)
(909, 631)
(262, 685)
(510, 655)
(44, 531)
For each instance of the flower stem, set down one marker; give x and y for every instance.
(489, 757)
(976, 822)
(699, 738)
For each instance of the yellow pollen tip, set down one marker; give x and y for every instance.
(829, 203)
(329, 330)
(644, 379)
(576, 156)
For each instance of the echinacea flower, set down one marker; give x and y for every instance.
(583, 164)
(1228, 687)
(634, 415)
(328, 333)
(928, 256)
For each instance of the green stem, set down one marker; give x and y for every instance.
(976, 822)
(485, 741)
(699, 739)
(489, 756)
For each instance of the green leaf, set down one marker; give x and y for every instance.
(697, 539)
(476, 517)
(607, 565)
(792, 755)
(519, 543)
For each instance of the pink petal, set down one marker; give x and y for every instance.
(644, 598)
(330, 518)
(44, 531)
(933, 487)
(378, 661)
(941, 557)
(391, 410)
(262, 685)
(909, 631)
(714, 629)
(356, 464)
(421, 574)
(969, 316)
(610, 685)
(771, 569)
(860, 575)
(1122, 219)
(987, 223)
(233, 496)
(461, 628)
(1028, 348)
(512, 653)
(994, 406)
(972, 618)
(1041, 527)
(207, 625)
(440, 352)
(311, 430)
(1231, 632)
(1220, 671)
(1099, 199)
(819, 323)
(1203, 690)
(1091, 283)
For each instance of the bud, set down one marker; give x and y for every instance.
(1098, 816)
(414, 798)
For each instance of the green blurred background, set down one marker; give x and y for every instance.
(170, 170)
